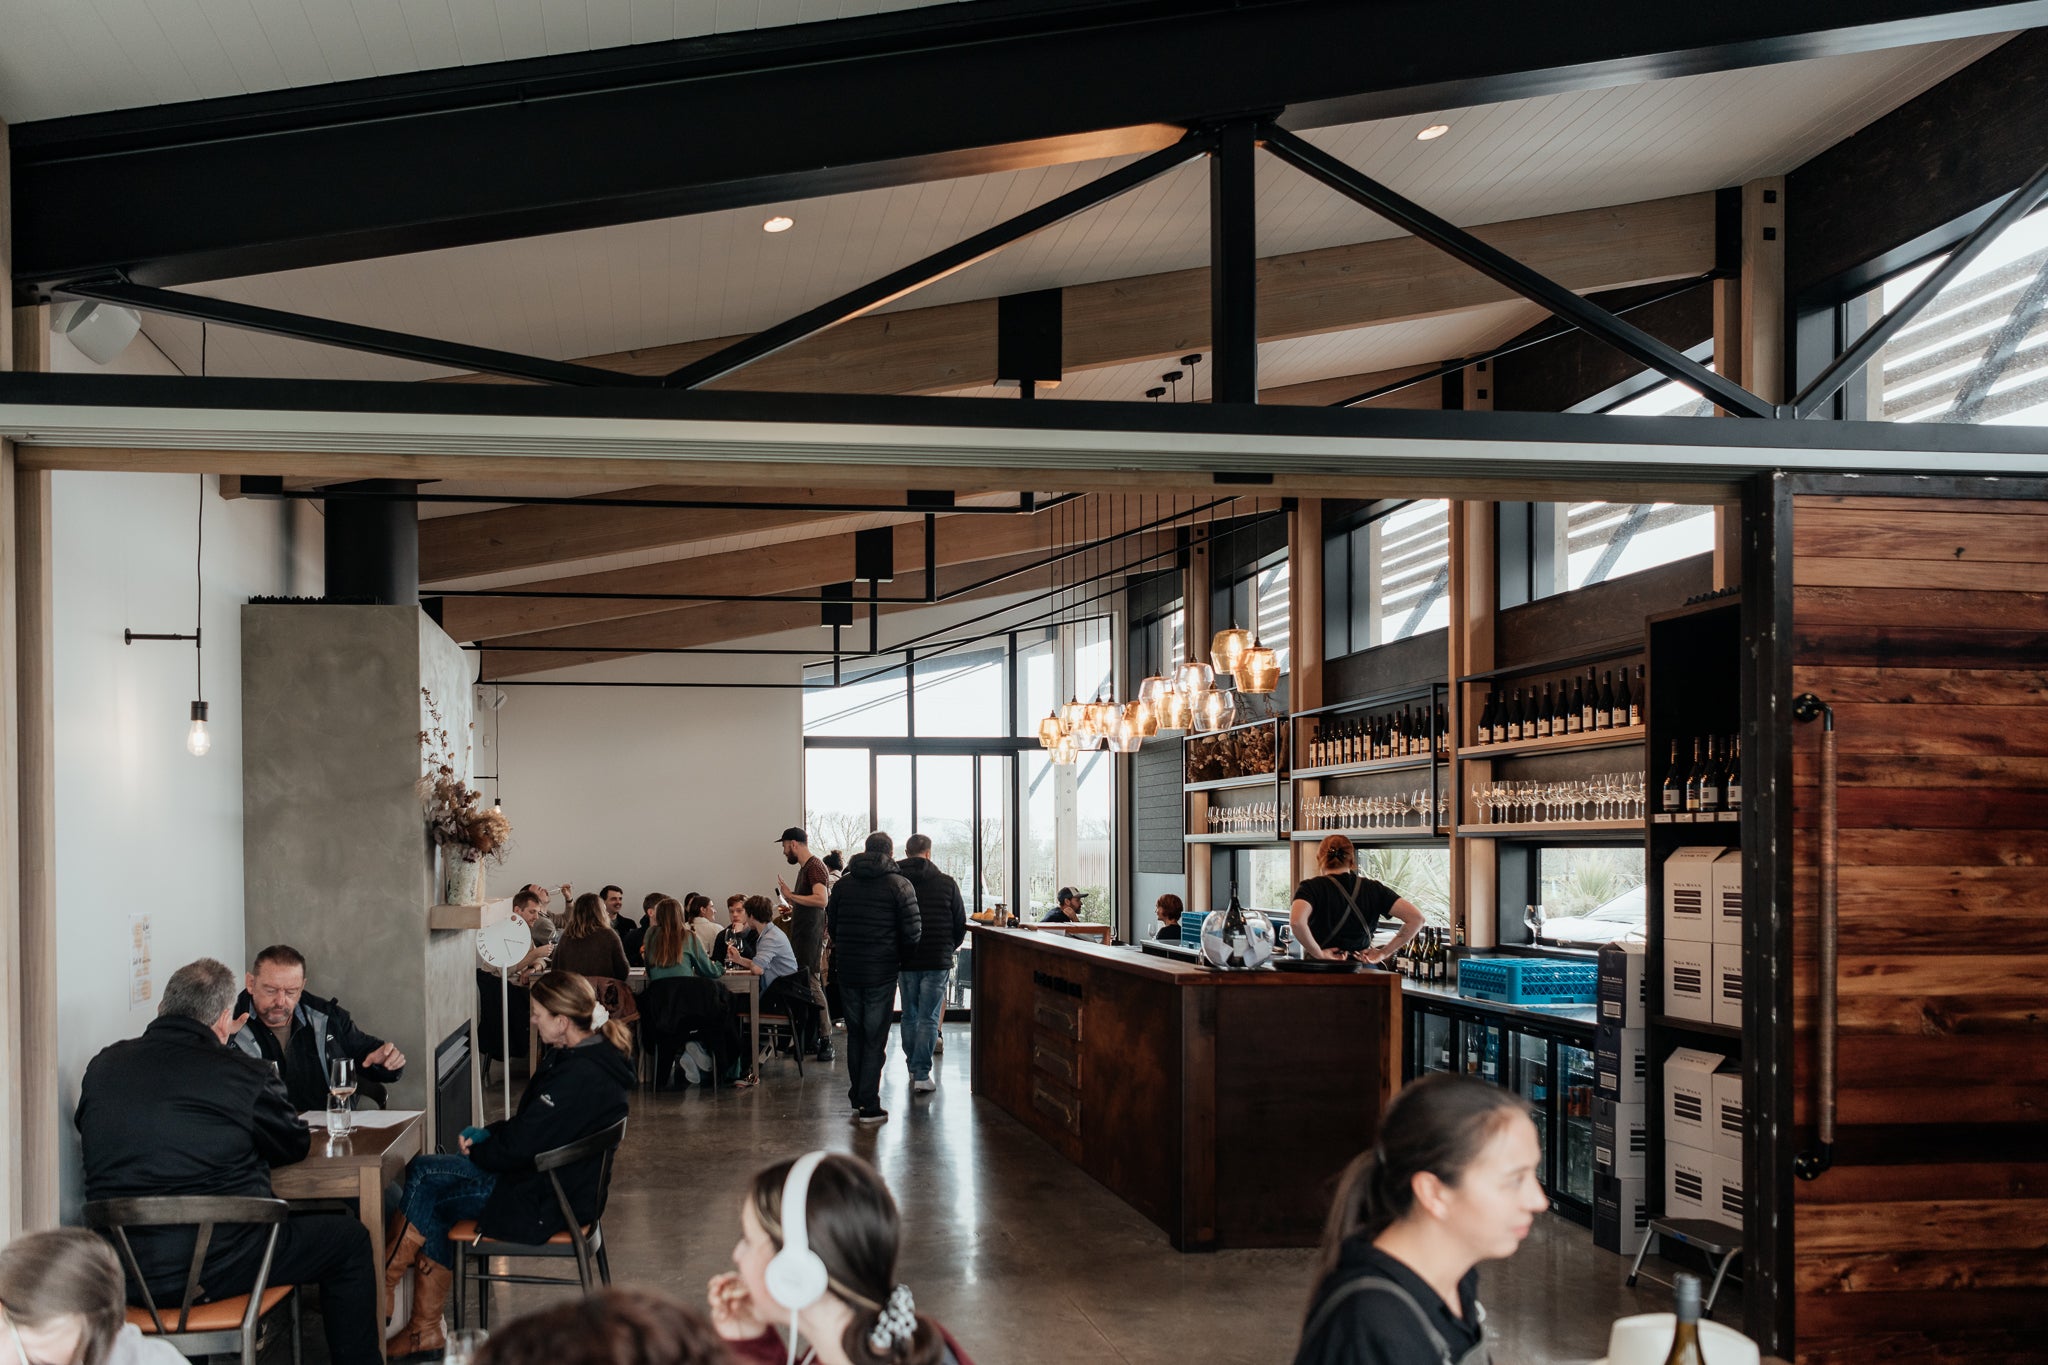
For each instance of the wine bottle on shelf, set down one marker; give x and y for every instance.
(1731, 787)
(1546, 715)
(1685, 1335)
(1575, 708)
(1500, 718)
(1603, 711)
(1640, 695)
(1443, 731)
(1515, 716)
(1624, 703)
(1674, 784)
(1710, 780)
(1692, 779)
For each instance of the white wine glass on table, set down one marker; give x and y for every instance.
(341, 1089)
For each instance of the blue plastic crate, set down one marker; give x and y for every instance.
(1191, 927)
(1529, 980)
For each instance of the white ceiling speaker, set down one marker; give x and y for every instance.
(100, 331)
(492, 699)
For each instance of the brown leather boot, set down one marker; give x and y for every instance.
(399, 1256)
(424, 1334)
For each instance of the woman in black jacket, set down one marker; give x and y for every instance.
(580, 1089)
(1450, 1183)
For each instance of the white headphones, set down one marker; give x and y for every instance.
(796, 1277)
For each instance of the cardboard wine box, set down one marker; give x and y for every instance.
(1688, 887)
(1621, 1063)
(1689, 1097)
(1621, 1214)
(1624, 992)
(1621, 1139)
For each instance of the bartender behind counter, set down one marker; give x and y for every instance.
(1335, 915)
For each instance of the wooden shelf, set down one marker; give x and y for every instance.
(1247, 840)
(1377, 765)
(451, 917)
(1558, 744)
(1729, 821)
(1224, 784)
(1371, 837)
(1723, 1031)
(1550, 828)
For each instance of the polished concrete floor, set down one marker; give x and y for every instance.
(1022, 1256)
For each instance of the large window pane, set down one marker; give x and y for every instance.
(836, 798)
(945, 813)
(1038, 683)
(1421, 875)
(995, 848)
(960, 693)
(1590, 895)
(1038, 831)
(1555, 547)
(1388, 579)
(870, 702)
(1094, 814)
(892, 797)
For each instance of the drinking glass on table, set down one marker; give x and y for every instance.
(341, 1089)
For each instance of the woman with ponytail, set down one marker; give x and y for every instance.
(863, 1317)
(580, 1089)
(1450, 1183)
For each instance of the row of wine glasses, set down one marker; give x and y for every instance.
(1602, 796)
(1403, 810)
(1254, 817)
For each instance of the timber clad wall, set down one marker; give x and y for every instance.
(1924, 623)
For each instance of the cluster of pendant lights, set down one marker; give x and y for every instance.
(1184, 699)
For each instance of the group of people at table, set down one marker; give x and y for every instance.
(207, 1101)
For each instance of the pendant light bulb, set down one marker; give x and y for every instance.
(1218, 710)
(1050, 730)
(1193, 679)
(1072, 714)
(197, 741)
(1227, 648)
(1063, 752)
(1154, 689)
(1258, 671)
(1174, 712)
(1144, 716)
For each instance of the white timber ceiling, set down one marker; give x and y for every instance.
(65, 57)
(717, 274)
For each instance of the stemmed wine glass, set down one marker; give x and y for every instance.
(341, 1089)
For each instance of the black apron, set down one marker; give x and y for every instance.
(1351, 910)
(1373, 1283)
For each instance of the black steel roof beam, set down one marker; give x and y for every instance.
(946, 261)
(271, 486)
(1497, 265)
(287, 179)
(350, 337)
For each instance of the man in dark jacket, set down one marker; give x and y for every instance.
(873, 919)
(300, 1034)
(928, 963)
(178, 1112)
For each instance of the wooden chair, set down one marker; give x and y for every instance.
(221, 1325)
(775, 1023)
(584, 1244)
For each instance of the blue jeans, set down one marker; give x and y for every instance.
(924, 1005)
(867, 1040)
(441, 1191)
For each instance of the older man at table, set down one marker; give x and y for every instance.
(178, 1112)
(301, 1034)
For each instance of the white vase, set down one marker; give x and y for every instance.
(462, 881)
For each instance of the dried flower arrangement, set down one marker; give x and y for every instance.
(457, 818)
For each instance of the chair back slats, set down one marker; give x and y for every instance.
(203, 1213)
(602, 1145)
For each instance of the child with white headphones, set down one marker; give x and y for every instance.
(817, 1254)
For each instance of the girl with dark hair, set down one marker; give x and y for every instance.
(859, 1315)
(697, 914)
(590, 946)
(580, 1089)
(673, 948)
(1336, 914)
(1450, 1183)
(1169, 911)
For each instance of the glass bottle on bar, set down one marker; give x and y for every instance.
(1624, 703)
(1575, 708)
(1693, 779)
(1731, 787)
(1234, 929)
(1685, 1334)
(1674, 785)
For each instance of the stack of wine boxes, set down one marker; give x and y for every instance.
(1620, 1101)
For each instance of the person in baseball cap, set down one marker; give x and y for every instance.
(1068, 911)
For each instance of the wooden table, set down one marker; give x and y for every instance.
(356, 1167)
(749, 985)
(1098, 932)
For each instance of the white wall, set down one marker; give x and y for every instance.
(141, 824)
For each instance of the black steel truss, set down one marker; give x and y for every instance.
(920, 502)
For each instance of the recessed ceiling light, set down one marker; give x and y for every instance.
(1433, 132)
(781, 222)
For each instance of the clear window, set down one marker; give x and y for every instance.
(1977, 354)
(870, 700)
(1548, 548)
(1388, 579)
(1589, 896)
(1420, 875)
(1257, 600)
(961, 692)
(1669, 399)
(836, 798)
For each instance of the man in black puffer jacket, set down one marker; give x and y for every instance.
(928, 963)
(873, 919)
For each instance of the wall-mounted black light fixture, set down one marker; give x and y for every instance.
(197, 741)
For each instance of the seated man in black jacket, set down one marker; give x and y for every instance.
(301, 1033)
(178, 1112)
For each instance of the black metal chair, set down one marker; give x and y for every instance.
(221, 1325)
(584, 1244)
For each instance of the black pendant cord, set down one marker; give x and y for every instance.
(199, 599)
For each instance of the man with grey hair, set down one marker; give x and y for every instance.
(179, 1112)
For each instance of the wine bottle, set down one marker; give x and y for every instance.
(1235, 931)
(1603, 711)
(1443, 731)
(1624, 703)
(1710, 780)
(1546, 713)
(1731, 787)
(1685, 1306)
(1500, 719)
(1575, 714)
(1515, 716)
(1674, 785)
(1693, 778)
(1639, 696)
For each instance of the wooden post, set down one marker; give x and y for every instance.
(1195, 609)
(1763, 289)
(1304, 630)
(1473, 596)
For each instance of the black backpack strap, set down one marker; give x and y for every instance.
(1380, 1285)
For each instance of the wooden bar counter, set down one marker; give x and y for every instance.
(1221, 1105)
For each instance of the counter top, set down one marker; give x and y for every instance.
(1577, 1018)
(1128, 958)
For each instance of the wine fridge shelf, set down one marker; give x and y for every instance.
(1545, 829)
(1618, 738)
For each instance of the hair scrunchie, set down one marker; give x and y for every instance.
(599, 1016)
(897, 1323)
